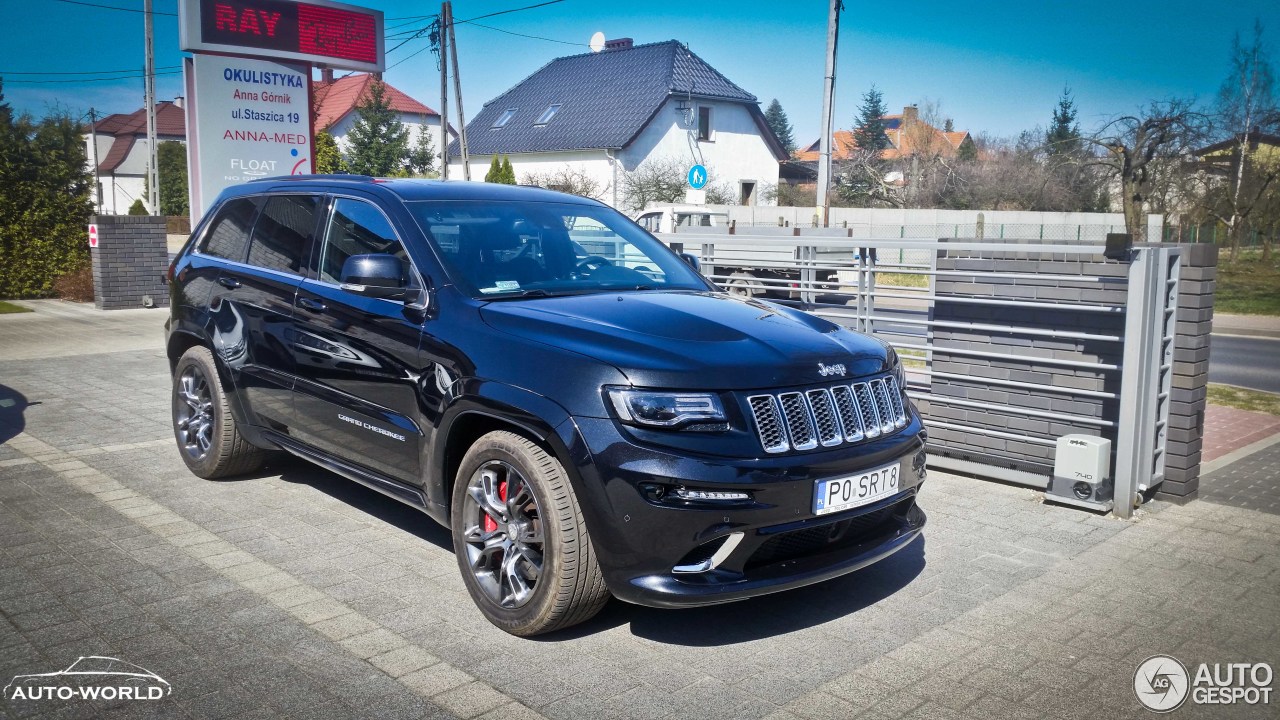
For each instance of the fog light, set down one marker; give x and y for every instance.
(711, 495)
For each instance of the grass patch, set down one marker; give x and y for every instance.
(910, 280)
(8, 307)
(1244, 399)
(1248, 286)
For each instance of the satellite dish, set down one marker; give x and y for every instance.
(597, 42)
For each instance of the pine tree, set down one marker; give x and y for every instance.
(508, 173)
(777, 119)
(379, 141)
(495, 171)
(328, 156)
(422, 157)
(949, 126)
(869, 132)
(1063, 137)
(137, 208)
(171, 162)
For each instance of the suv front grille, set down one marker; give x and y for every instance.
(828, 416)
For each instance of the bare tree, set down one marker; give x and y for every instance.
(1136, 147)
(1246, 106)
(568, 180)
(660, 180)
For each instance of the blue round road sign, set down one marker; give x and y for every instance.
(697, 177)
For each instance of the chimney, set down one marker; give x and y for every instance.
(179, 101)
(618, 44)
(326, 75)
(910, 114)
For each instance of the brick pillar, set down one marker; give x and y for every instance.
(130, 262)
(1190, 384)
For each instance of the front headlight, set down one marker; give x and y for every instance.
(655, 408)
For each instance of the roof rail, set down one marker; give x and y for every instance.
(349, 178)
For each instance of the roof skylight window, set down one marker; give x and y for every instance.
(504, 118)
(547, 114)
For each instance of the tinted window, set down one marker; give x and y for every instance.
(537, 249)
(357, 228)
(229, 232)
(282, 233)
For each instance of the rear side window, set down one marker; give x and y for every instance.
(229, 233)
(283, 232)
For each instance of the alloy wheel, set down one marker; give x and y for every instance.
(194, 415)
(502, 529)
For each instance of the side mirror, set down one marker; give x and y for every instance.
(380, 276)
(692, 261)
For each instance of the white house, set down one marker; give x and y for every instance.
(122, 153)
(601, 115)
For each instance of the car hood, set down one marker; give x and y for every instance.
(693, 339)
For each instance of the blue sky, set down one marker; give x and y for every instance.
(993, 67)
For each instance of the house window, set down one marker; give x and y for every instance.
(503, 118)
(547, 114)
(704, 125)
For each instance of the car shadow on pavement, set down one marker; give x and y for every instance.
(377, 505)
(13, 405)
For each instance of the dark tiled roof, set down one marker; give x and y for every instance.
(170, 120)
(606, 98)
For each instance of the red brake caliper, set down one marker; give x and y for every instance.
(490, 522)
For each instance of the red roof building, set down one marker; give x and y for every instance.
(908, 135)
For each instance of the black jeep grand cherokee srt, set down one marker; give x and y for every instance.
(588, 414)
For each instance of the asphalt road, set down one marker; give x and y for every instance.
(1252, 362)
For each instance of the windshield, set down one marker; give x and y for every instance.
(502, 249)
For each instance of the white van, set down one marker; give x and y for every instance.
(666, 218)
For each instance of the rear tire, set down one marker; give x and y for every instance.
(520, 538)
(208, 440)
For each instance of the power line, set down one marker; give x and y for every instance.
(424, 48)
(525, 35)
(504, 12)
(87, 72)
(114, 7)
(86, 80)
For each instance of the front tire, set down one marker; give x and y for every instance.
(520, 538)
(208, 440)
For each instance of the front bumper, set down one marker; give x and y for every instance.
(740, 549)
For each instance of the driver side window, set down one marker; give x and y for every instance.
(358, 228)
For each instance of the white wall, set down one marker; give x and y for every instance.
(126, 184)
(735, 153)
(595, 164)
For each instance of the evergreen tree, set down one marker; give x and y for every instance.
(379, 141)
(171, 162)
(869, 132)
(508, 174)
(45, 186)
(495, 171)
(328, 156)
(138, 208)
(949, 126)
(1063, 137)
(422, 157)
(777, 119)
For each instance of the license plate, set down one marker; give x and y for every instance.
(836, 494)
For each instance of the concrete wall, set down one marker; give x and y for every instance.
(130, 262)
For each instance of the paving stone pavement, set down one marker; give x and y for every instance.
(294, 593)
(1254, 484)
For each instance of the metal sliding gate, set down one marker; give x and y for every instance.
(1008, 345)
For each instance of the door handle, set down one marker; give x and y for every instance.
(229, 283)
(311, 304)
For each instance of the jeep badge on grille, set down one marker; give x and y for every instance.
(829, 370)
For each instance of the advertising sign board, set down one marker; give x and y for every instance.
(321, 32)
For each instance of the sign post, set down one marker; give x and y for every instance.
(697, 179)
(248, 85)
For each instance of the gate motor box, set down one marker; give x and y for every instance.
(1082, 473)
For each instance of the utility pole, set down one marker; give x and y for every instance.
(828, 99)
(444, 91)
(457, 92)
(149, 81)
(93, 147)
